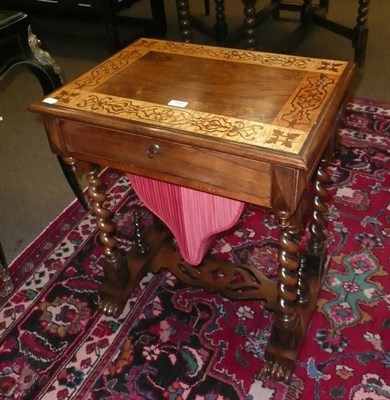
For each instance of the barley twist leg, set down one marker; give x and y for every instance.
(139, 232)
(316, 247)
(115, 268)
(286, 330)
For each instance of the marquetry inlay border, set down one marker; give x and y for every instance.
(287, 132)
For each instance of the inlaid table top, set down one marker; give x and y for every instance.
(270, 108)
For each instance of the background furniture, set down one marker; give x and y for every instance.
(310, 14)
(4, 273)
(316, 15)
(103, 10)
(19, 46)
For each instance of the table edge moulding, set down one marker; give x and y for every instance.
(267, 163)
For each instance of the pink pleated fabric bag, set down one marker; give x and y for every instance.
(193, 217)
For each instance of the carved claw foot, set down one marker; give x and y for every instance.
(110, 308)
(279, 369)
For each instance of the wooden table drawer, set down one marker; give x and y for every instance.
(198, 168)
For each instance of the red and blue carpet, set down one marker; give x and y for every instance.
(174, 342)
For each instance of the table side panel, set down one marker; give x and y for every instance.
(202, 169)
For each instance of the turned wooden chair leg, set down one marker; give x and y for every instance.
(184, 19)
(157, 8)
(207, 7)
(324, 4)
(307, 12)
(107, 10)
(220, 27)
(250, 23)
(360, 33)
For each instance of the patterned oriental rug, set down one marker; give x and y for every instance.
(174, 342)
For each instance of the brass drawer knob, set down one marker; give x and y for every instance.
(152, 150)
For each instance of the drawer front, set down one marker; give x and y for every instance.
(214, 172)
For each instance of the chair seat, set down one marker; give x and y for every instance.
(193, 217)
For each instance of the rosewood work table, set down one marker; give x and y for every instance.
(243, 125)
